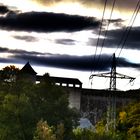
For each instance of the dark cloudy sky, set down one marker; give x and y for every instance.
(70, 38)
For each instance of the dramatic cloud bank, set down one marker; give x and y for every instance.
(46, 22)
(82, 63)
(118, 37)
(3, 9)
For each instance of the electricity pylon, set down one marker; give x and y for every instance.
(113, 75)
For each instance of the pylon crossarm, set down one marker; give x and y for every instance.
(100, 75)
(122, 76)
(118, 75)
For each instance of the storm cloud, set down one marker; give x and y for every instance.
(47, 22)
(65, 41)
(26, 38)
(81, 63)
(3, 9)
(118, 37)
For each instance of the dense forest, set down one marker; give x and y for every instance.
(41, 111)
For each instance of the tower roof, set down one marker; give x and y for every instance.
(28, 69)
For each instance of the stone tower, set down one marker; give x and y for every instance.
(27, 73)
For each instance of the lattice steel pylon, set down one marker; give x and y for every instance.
(113, 75)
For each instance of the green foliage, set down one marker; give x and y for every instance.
(16, 117)
(89, 134)
(83, 134)
(23, 104)
(127, 124)
(129, 121)
(60, 131)
(51, 104)
(44, 132)
(8, 74)
(100, 127)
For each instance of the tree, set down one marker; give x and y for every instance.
(127, 123)
(23, 104)
(129, 120)
(8, 73)
(44, 132)
(51, 103)
(17, 117)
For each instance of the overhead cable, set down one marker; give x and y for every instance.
(126, 31)
(106, 31)
(100, 30)
(134, 16)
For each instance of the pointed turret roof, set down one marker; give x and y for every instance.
(28, 69)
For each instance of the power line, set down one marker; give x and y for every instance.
(100, 30)
(106, 32)
(129, 28)
(133, 17)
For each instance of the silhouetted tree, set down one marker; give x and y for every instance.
(9, 73)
